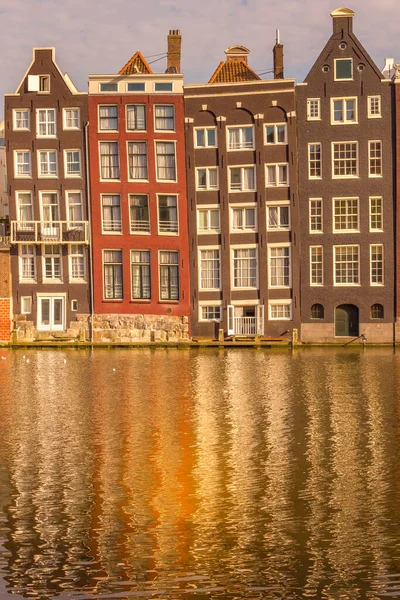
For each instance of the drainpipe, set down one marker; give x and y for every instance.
(89, 209)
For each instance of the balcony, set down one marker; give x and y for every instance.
(49, 232)
(245, 325)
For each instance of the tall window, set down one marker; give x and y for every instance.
(109, 160)
(209, 269)
(168, 214)
(315, 215)
(346, 263)
(208, 220)
(343, 110)
(276, 133)
(245, 268)
(207, 178)
(205, 137)
(74, 208)
(108, 118)
(72, 163)
(50, 207)
(345, 214)
(139, 213)
(77, 262)
(279, 267)
(71, 118)
(376, 251)
(111, 212)
(21, 119)
(277, 175)
(376, 213)
(345, 159)
(28, 262)
(169, 275)
(278, 217)
(243, 218)
(47, 163)
(46, 122)
(241, 138)
(375, 158)
(24, 210)
(374, 107)
(140, 273)
(241, 179)
(52, 262)
(313, 109)
(22, 163)
(137, 158)
(165, 160)
(164, 118)
(136, 117)
(316, 265)
(314, 161)
(112, 270)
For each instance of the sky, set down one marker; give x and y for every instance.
(98, 36)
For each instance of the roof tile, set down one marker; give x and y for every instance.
(231, 71)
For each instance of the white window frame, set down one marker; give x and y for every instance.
(72, 175)
(313, 262)
(351, 284)
(283, 302)
(46, 254)
(100, 142)
(370, 100)
(244, 247)
(141, 264)
(309, 117)
(156, 164)
(74, 224)
(65, 126)
(103, 265)
(46, 135)
(99, 128)
(129, 106)
(17, 164)
(70, 260)
(271, 204)
(208, 186)
(114, 83)
(111, 231)
(343, 78)
(275, 125)
(243, 207)
(376, 283)
(351, 176)
(371, 198)
(280, 287)
(159, 105)
(344, 100)
(205, 249)
(277, 184)
(22, 279)
(345, 230)
(310, 216)
(48, 222)
(241, 167)
(242, 145)
(375, 175)
(15, 111)
(26, 310)
(137, 141)
(146, 231)
(48, 152)
(42, 80)
(209, 303)
(208, 208)
(314, 161)
(168, 233)
(51, 297)
(206, 144)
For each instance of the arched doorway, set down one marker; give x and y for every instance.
(346, 320)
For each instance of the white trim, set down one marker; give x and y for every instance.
(242, 206)
(333, 159)
(240, 148)
(369, 101)
(373, 175)
(70, 255)
(65, 128)
(208, 188)
(342, 78)
(207, 303)
(315, 231)
(15, 128)
(54, 296)
(137, 141)
(68, 175)
(130, 219)
(380, 283)
(174, 142)
(167, 233)
(232, 268)
(344, 99)
(48, 151)
(309, 100)
(280, 245)
(312, 284)
(283, 302)
(23, 176)
(275, 125)
(112, 141)
(241, 190)
(127, 130)
(208, 207)
(53, 135)
(372, 229)
(205, 129)
(52, 280)
(199, 251)
(270, 204)
(25, 298)
(339, 231)
(157, 104)
(106, 105)
(116, 232)
(276, 165)
(334, 265)
(315, 161)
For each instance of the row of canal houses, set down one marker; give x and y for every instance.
(146, 209)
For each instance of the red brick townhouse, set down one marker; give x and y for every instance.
(138, 200)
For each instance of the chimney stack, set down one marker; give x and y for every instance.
(342, 20)
(174, 51)
(278, 58)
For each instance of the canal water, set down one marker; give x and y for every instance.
(196, 474)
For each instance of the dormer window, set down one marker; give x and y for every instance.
(44, 83)
(343, 69)
(39, 83)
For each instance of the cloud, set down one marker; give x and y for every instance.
(100, 36)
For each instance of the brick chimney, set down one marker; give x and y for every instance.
(342, 20)
(174, 51)
(278, 58)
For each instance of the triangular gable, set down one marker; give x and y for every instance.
(136, 65)
(233, 71)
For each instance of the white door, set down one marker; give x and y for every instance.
(51, 313)
(260, 319)
(231, 319)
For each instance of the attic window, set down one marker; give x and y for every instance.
(44, 83)
(163, 87)
(343, 45)
(325, 68)
(108, 87)
(135, 87)
(344, 69)
(361, 67)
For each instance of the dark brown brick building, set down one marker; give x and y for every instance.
(345, 139)
(46, 173)
(243, 205)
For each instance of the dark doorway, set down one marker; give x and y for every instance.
(346, 320)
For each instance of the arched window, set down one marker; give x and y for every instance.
(317, 311)
(376, 311)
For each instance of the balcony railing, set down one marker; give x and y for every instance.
(49, 232)
(245, 325)
(143, 226)
(168, 227)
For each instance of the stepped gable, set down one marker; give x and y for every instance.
(136, 65)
